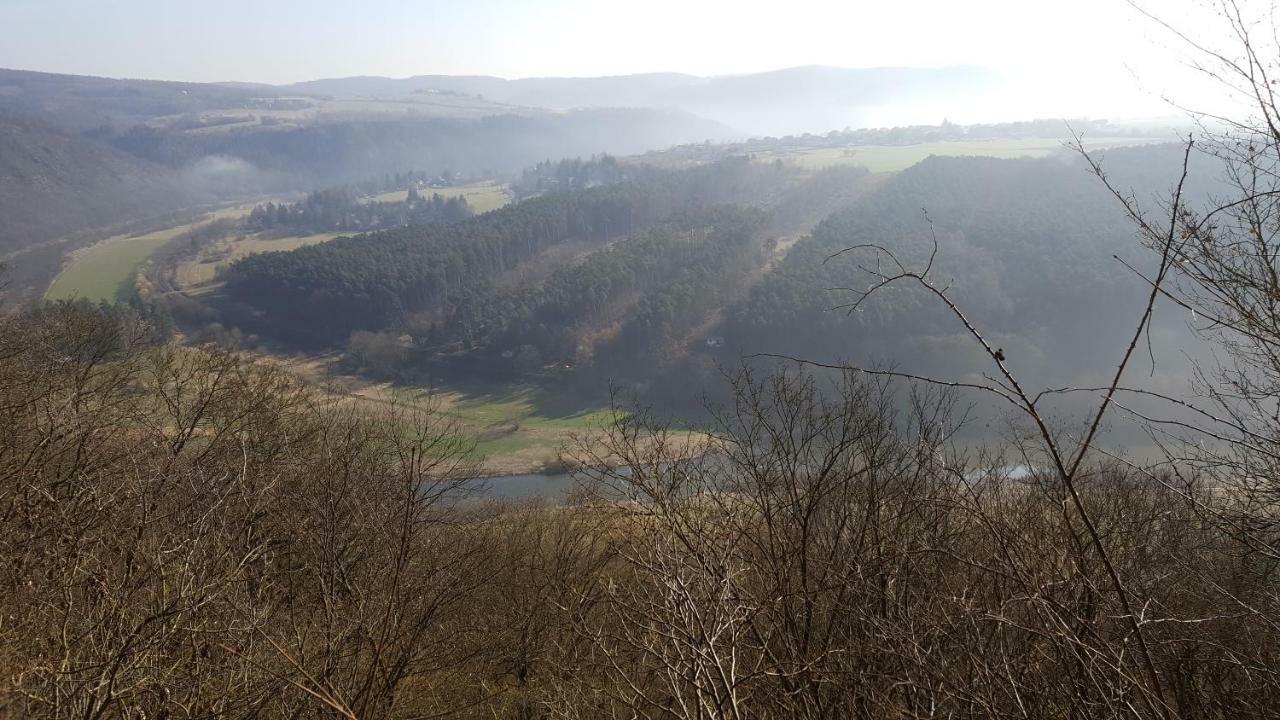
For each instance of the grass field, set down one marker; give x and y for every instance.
(482, 197)
(891, 158)
(426, 105)
(108, 269)
(517, 430)
(204, 268)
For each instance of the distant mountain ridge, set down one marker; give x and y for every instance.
(550, 92)
(790, 101)
(91, 151)
(787, 101)
(80, 102)
(85, 102)
(79, 152)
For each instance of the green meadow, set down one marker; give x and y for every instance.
(482, 197)
(891, 158)
(107, 271)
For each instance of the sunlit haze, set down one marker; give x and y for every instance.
(1077, 58)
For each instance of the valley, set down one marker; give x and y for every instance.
(521, 388)
(699, 361)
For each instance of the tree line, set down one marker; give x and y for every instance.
(188, 532)
(1027, 245)
(575, 174)
(343, 210)
(652, 287)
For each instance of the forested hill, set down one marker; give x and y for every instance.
(241, 140)
(323, 293)
(349, 149)
(79, 155)
(421, 275)
(791, 100)
(53, 183)
(667, 273)
(83, 102)
(629, 308)
(1026, 247)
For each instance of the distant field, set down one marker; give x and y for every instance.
(204, 268)
(482, 197)
(891, 158)
(426, 105)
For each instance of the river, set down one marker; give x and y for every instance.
(536, 485)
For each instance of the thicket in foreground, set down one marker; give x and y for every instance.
(187, 533)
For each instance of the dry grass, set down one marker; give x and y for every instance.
(482, 196)
(204, 268)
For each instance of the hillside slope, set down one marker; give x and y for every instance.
(87, 103)
(246, 139)
(81, 102)
(1027, 247)
(633, 264)
(53, 183)
(322, 153)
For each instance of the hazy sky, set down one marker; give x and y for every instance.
(288, 40)
(1087, 51)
